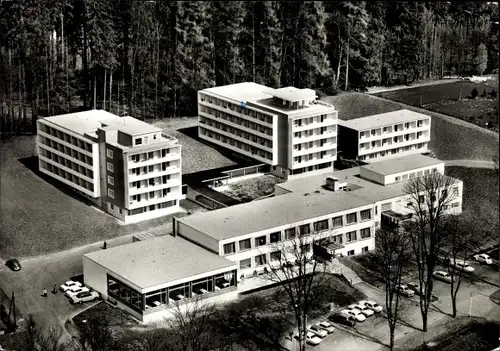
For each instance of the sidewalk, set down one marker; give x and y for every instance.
(376, 90)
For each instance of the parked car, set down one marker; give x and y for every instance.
(443, 276)
(415, 287)
(375, 307)
(342, 319)
(84, 296)
(317, 330)
(327, 326)
(68, 285)
(355, 313)
(310, 338)
(362, 308)
(460, 264)
(483, 258)
(75, 290)
(404, 290)
(13, 264)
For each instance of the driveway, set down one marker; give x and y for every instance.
(470, 163)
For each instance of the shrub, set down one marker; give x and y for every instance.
(484, 93)
(493, 93)
(474, 93)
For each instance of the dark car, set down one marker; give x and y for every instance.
(341, 319)
(13, 264)
(415, 287)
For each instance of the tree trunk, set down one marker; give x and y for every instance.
(48, 81)
(95, 89)
(111, 91)
(104, 98)
(157, 68)
(253, 43)
(347, 58)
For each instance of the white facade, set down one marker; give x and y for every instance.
(286, 128)
(387, 136)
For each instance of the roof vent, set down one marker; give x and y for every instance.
(317, 192)
(306, 194)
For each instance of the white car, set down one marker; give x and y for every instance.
(460, 264)
(84, 296)
(375, 307)
(75, 290)
(68, 285)
(364, 310)
(312, 339)
(356, 314)
(444, 276)
(483, 258)
(327, 326)
(317, 330)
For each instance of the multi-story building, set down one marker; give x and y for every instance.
(347, 206)
(384, 136)
(287, 128)
(128, 167)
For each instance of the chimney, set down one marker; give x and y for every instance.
(332, 183)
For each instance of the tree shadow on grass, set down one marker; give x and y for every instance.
(31, 163)
(357, 333)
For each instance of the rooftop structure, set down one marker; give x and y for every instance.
(83, 122)
(158, 261)
(402, 164)
(382, 120)
(246, 91)
(293, 94)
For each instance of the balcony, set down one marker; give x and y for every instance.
(154, 160)
(314, 136)
(174, 195)
(241, 127)
(314, 161)
(158, 173)
(391, 134)
(235, 113)
(317, 124)
(306, 151)
(239, 138)
(159, 186)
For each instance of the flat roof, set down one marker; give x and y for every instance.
(293, 94)
(132, 126)
(238, 220)
(402, 164)
(158, 261)
(309, 109)
(83, 122)
(382, 120)
(246, 91)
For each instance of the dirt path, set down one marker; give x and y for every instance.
(470, 163)
(375, 90)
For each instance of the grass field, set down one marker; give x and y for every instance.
(36, 217)
(254, 188)
(452, 99)
(449, 141)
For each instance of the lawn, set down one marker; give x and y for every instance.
(37, 217)
(466, 334)
(254, 188)
(449, 141)
(452, 99)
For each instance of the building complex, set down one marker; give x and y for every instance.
(127, 167)
(384, 136)
(286, 128)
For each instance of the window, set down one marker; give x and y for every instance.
(321, 225)
(275, 237)
(396, 129)
(407, 125)
(412, 175)
(338, 239)
(455, 192)
(111, 180)
(398, 178)
(419, 173)
(366, 215)
(109, 166)
(351, 218)
(275, 256)
(260, 260)
(109, 153)
(289, 233)
(351, 236)
(455, 204)
(260, 241)
(373, 132)
(364, 249)
(245, 245)
(434, 170)
(337, 222)
(405, 176)
(350, 253)
(112, 207)
(365, 233)
(444, 193)
(111, 193)
(246, 263)
(305, 229)
(385, 129)
(138, 141)
(229, 248)
(426, 172)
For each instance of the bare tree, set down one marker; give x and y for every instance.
(47, 339)
(293, 266)
(462, 238)
(393, 251)
(191, 324)
(430, 196)
(95, 334)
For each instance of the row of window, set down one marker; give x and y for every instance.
(236, 143)
(151, 182)
(315, 131)
(147, 155)
(352, 236)
(235, 120)
(238, 132)
(389, 141)
(149, 169)
(313, 120)
(66, 137)
(67, 163)
(415, 174)
(314, 156)
(394, 151)
(291, 233)
(395, 128)
(150, 195)
(311, 168)
(150, 208)
(68, 176)
(65, 150)
(261, 260)
(315, 144)
(145, 139)
(241, 109)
